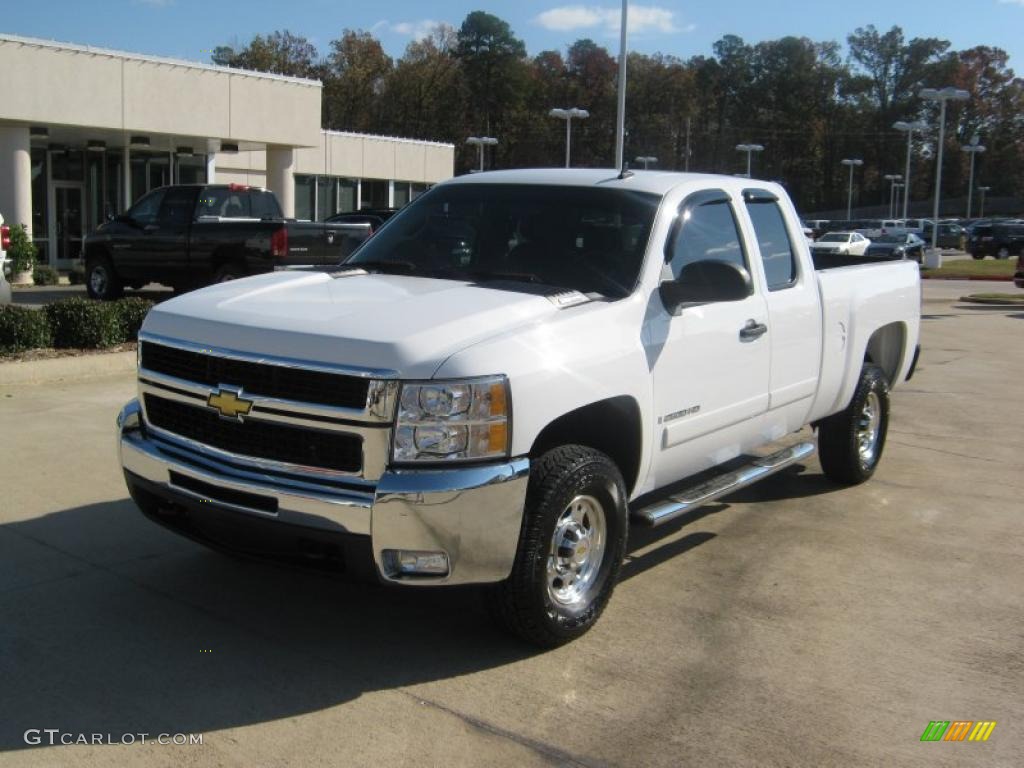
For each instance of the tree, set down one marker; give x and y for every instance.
(425, 90)
(279, 52)
(493, 64)
(356, 72)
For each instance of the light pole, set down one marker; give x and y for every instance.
(974, 149)
(620, 109)
(481, 142)
(892, 178)
(568, 115)
(852, 163)
(900, 190)
(941, 95)
(646, 160)
(983, 190)
(917, 125)
(749, 149)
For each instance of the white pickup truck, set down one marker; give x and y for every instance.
(512, 371)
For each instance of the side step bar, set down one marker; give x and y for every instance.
(690, 498)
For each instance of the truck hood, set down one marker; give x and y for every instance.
(406, 325)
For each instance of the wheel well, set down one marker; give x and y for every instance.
(886, 348)
(612, 426)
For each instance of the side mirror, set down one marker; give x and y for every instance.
(705, 282)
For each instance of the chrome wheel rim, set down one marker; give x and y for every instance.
(869, 426)
(98, 280)
(577, 551)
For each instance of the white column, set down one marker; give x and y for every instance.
(211, 168)
(126, 175)
(280, 178)
(391, 193)
(16, 176)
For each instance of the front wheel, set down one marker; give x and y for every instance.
(1003, 253)
(850, 443)
(571, 547)
(101, 281)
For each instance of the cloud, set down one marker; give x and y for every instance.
(417, 30)
(642, 18)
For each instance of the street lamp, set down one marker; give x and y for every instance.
(646, 160)
(983, 190)
(899, 191)
(941, 95)
(749, 149)
(849, 194)
(481, 142)
(973, 149)
(892, 178)
(568, 115)
(917, 125)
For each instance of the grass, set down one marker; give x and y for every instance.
(972, 268)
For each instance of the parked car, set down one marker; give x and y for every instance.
(192, 234)
(841, 244)
(5, 241)
(999, 239)
(904, 246)
(508, 375)
(950, 235)
(818, 227)
(374, 217)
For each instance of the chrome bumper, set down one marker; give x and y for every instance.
(472, 514)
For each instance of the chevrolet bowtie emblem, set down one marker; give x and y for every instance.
(229, 404)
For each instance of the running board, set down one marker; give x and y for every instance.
(690, 498)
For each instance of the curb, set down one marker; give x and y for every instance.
(71, 367)
(993, 279)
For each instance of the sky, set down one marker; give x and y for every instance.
(190, 29)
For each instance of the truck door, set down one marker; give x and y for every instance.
(710, 363)
(794, 315)
(168, 242)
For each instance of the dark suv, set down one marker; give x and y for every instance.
(998, 239)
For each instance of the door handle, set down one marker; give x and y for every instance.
(752, 330)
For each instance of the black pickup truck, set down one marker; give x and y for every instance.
(189, 235)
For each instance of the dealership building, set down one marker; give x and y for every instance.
(84, 132)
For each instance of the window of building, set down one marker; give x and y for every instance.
(40, 201)
(347, 195)
(375, 194)
(190, 170)
(114, 193)
(708, 231)
(305, 197)
(402, 193)
(415, 190)
(326, 197)
(67, 165)
(777, 253)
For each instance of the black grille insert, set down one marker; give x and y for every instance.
(258, 439)
(257, 378)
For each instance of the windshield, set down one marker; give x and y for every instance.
(591, 240)
(834, 239)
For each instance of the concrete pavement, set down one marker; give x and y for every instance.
(795, 624)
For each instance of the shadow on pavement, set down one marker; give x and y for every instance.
(112, 625)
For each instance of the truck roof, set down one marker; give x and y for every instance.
(656, 182)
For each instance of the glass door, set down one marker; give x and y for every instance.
(69, 219)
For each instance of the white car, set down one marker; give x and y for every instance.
(516, 369)
(841, 244)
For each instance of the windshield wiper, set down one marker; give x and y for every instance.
(485, 275)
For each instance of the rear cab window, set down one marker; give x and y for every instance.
(778, 256)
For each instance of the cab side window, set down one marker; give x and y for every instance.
(178, 207)
(145, 210)
(706, 231)
(777, 252)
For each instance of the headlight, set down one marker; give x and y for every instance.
(452, 420)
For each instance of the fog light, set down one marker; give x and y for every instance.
(408, 562)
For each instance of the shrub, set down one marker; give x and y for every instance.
(22, 251)
(132, 311)
(82, 323)
(77, 274)
(44, 274)
(22, 328)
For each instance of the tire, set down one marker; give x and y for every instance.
(978, 256)
(101, 281)
(574, 492)
(1003, 253)
(850, 443)
(229, 271)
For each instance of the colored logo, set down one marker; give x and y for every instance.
(229, 404)
(958, 730)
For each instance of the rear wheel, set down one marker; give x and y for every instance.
(570, 549)
(101, 281)
(850, 443)
(1003, 252)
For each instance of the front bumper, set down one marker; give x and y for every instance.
(471, 514)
